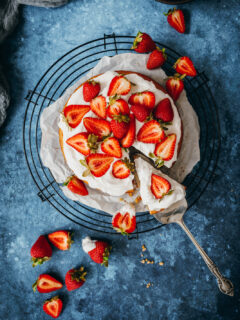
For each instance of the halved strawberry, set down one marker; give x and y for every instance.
(120, 170)
(61, 239)
(111, 146)
(120, 86)
(99, 163)
(91, 89)
(164, 111)
(165, 149)
(175, 86)
(76, 186)
(45, 283)
(75, 113)
(99, 127)
(156, 58)
(98, 106)
(176, 20)
(117, 106)
(185, 66)
(145, 98)
(119, 125)
(150, 132)
(99, 251)
(141, 112)
(159, 186)
(53, 307)
(143, 43)
(80, 143)
(128, 140)
(124, 223)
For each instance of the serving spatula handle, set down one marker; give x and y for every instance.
(224, 284)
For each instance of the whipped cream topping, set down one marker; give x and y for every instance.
(128, 207)
(88, 244)
(108, 183)
(145, 171)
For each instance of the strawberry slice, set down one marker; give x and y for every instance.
(120, 170)
(159, 186)
(61, 239)
(164, 111)
(76, 186)
(98, 106)
(91, 89)
(117, 106)
(145, 98)
(141, 112)
(111, 146)
(176, 19)
(53, 307)
(185, 66)
(120, 86)
(150, 132)
(99, 163)
(165, 149)
(45, 283)
(74, 114)
(99, 127)
(124, 223)
(156, 58)
(80, 143)
(175, 86)
(128, 140)
(143, 43)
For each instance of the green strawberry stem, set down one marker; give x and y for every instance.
(38, 261)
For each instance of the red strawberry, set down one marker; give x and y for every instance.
(159, 186)
(99, 127)
(99, 163)
(98, 106)
(156, 58)
(175, 86)
(120, 170)
(91, 89)
(100, 251)
(150, 132)
(80, 143)
(75, 113)
(119, 85)
(46, 283)
(40, 251)
(53, 307)
(61, 239)
(111, 146)
(128, 140)
(117, 106)
(124, 223)
(119, 125)
(141, 112)
(145, 98)
(185, 66)
(165, 148)
(176, 20)
(75, 278)
(143, 43)
(164, 110)
(76, 186)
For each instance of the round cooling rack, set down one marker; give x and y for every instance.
(64, 73)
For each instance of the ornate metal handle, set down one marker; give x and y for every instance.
(224, 284)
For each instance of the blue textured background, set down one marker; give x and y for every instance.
(182, 288)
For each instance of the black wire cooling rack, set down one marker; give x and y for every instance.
(65, 72)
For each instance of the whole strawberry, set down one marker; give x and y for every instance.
(119, 125)
(75, 278)
(40, 251)
(98, 251)
(143, 43)
(156, 58)
(91, 89)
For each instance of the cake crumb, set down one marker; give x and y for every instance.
(161, 263)
(144, 248)
(121, 199)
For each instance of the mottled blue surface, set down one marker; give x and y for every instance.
(182, 288)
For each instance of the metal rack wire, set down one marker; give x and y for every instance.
(65, 72)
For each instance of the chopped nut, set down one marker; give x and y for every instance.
(144, 248)
(152, 261)
(146, 259)
(161, 263)
(121, 199)
(148, 284)
(143, 261)
(138, 199)
(141, 255)
(148, 262)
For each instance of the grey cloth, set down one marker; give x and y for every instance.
(8, 21)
